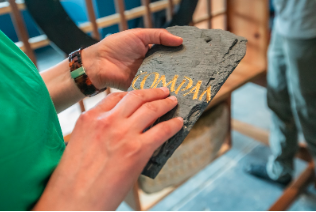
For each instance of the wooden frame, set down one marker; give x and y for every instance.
(243, 17)
(41, 40)
(92, 19)
(21, 29)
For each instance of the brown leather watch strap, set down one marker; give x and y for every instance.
(82, 81)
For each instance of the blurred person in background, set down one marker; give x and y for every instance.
(291, 87)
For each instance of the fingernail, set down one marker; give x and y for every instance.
(180, 38)
(180, 118)
(166, 90)
(173, 98)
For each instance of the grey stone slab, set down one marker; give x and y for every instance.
(194, 72)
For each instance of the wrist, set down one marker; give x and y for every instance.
(80, 75)
(91, 65)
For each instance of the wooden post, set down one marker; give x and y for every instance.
(170, 10)
(95, 35)
(209, 13)
(229, 134)
(108, 91)
(82, 107)
(250, 19)
(147, 18)
(21, 29)
(226, 18)
(120, 8)
(92, 19)
(295, 188)
(132, 198)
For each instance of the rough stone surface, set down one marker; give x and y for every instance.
(195, 69)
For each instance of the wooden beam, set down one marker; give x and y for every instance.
(209, 13)
(170, 9)
(262, 136)
(295, 188)
(251, 131)
(108, 91)
(261, 80)
(230, 126)
(5, 7)
(250, 19)
(120, 8)
(132, 198)
(92, 19)
(303, 153)
(225, 17)
(243, 74)
(35, 42)
(21, 29)
(147, 17)
(41, 41)
(82, 107)
(213, 15)
(67, 138)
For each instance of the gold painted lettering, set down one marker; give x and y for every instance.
(145, 78)
(135, 79)
(195, 90)
(208, 94)
(164, 84)
(179, 87)
(190, 82)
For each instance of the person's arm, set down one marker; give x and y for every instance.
(112, 62)
(108, 150)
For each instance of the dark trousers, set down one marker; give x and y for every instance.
(292, 100)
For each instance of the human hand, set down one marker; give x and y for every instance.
(108, 150)
(114, 61)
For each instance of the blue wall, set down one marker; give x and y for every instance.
(107, 7)
(7, 27)
(78, 13)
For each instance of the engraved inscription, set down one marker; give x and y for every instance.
(185, 85)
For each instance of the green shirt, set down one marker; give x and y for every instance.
(31, 141)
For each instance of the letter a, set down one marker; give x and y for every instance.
(208, 94)
(190, 82)
(195, 90)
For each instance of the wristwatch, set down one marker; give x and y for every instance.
(79, 75)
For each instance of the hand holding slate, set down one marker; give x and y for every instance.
(194, 72)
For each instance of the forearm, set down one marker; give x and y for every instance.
(113, 62)
(106, 145)
(62, 88)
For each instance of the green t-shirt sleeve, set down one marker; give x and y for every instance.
(31, 141)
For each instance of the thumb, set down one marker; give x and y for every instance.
(159, 36)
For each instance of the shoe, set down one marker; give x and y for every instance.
(260, 171)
